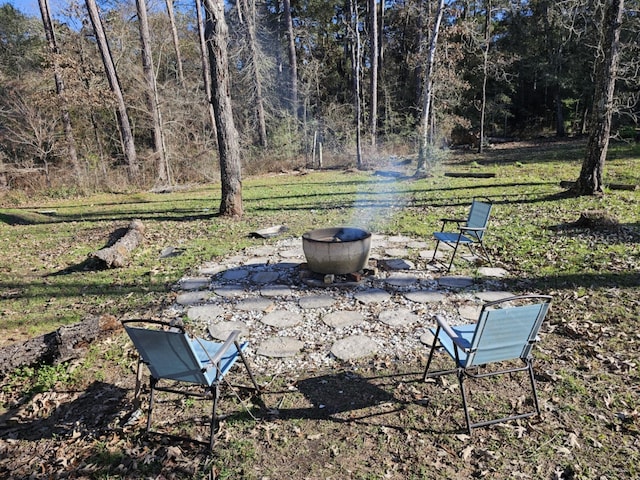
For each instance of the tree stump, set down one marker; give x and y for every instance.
(117, 254)
(597, 219)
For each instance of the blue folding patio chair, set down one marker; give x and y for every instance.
(505, 332)
(173, 357)
(471, 232)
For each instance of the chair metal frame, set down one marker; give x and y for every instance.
(171, 354)
(514, 330)
(471, 231)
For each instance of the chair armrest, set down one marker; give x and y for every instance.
(453, 220)
(231, 340)
(455, 338)
(445, 221)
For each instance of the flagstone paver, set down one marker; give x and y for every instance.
(343, 318)
(316, 301)
(255, 304)
(353, 347)
(265, 277)
(372, 295)
(236, 274)
(425, 296)
(192, 298)
(276, 291)
(455, 282)
(398, 317)
(195, 283)
(206, 313)
(402, 279)
(220, 331)
(282, 319)
(280, 347)
(492, 272)
(229, 291)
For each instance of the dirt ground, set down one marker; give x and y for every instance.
(370, 419)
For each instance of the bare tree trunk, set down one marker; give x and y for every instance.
(293, 60)
(590, 181)
(228, 143)
(126, 133)
(206, 68)
(355, 67)
(153, 104)
(66, 118)
(254, 53)
(485, 63)
(373, 118)
(176, 43)
(427, 93)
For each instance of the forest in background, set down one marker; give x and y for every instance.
(309, 81)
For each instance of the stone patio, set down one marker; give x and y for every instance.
(294, 324)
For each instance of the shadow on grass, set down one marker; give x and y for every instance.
(348, 397)
(93, 410)
(622, 280)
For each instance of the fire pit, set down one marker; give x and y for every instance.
(337, 250)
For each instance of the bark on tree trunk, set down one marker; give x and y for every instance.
(228, 143)
(206, 69)
(117, 254)
(293, 60)
(590, 181)
(66, 343)
(485, 63)
(126, 133)
(373, 118)
(153, 104)
(66, 118)
(176, 42)
(254, 52)
(355, 65)
(427, 93)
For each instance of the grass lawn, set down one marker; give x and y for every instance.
(587, 364)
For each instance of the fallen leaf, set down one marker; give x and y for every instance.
(466, 453)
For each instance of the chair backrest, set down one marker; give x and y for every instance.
(507, 333)
(479, 216)
(168, 354)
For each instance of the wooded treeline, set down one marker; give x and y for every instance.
(310, 81)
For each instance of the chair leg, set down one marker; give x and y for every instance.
(464, 399)
(246, 364)
(485, 254)
(433, 349)
(152, 384)
(214, 423)
(435, 251)
(138, 388)
(533, 385)
(453, 255)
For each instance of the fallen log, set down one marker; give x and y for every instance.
(470, 174)
(623, 186)
(64, 344)
(116, 254)
(613, 186)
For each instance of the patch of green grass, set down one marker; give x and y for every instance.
(32, 380)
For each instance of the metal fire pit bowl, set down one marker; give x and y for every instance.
(337, 250)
